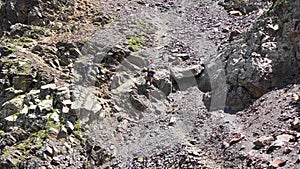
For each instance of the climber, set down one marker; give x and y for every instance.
(150, 72)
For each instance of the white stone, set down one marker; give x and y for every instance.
(69, 125)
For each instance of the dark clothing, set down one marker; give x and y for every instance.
(150, 70)
(150, 74)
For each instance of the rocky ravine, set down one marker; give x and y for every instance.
(226, 93)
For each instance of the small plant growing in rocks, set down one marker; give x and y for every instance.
(135, 42)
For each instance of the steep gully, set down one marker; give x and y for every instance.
(178, 36)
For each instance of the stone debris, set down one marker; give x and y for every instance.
(296, 124)
(285, 138)
(172, 121)
(183, 56)
(236, 13)
(236, 139)
(278, 163)
(263, 141)
(73, 94)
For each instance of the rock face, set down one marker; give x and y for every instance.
(38, 116)
(268, 58)
(42, 13)
(38, 119)
(20, 11)
(17, 75)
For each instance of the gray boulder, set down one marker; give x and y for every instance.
(86, 106)
(22, 82)
(183, 78)
(162, 82)
(12, 106)
(179, 72)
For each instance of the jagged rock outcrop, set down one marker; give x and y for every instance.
(268, 57)
(54, 14)
(42, 118)
(20, 11)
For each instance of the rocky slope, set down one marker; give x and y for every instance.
(225, 95)
(267, 58)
